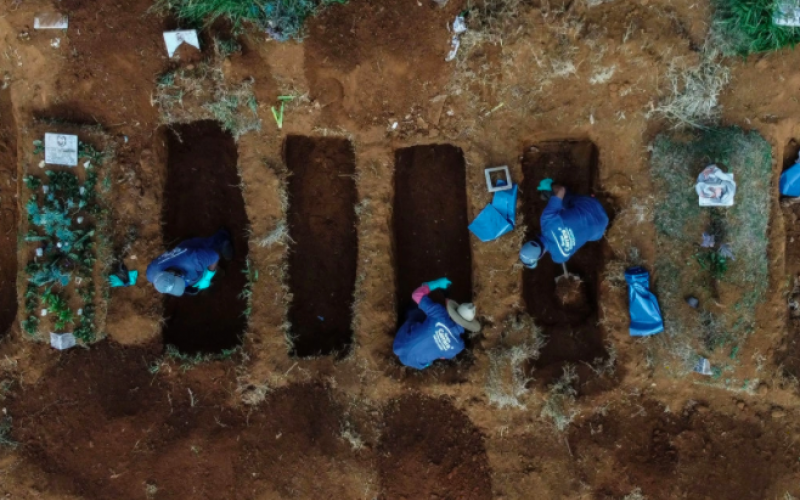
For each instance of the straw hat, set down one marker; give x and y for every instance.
(463, 315)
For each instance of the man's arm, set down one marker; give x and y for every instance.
(420, 292)
(208, 258)
(552, 212)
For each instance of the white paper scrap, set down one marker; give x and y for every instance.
(174, 39)
(61, 149)
(62, 341)
(50, 21)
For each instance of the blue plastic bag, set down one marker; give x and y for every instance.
(497, 218)
(790, 182)
(642, 304)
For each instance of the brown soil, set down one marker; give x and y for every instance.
(571, 327)
(689, 453)
(113, 422)
(202, 195)
(322, 263)
(100, 425)
(430, 223)
(571, 292)
(8, 214)
(431, 450)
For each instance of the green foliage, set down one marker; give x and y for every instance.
(189, 361)
(712, 261)
(38, 147)
(282, 19)
(68, 246)
(59, 308)
(744, 27)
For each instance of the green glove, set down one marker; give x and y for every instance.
(437, 284)
(205, 281)
(546, 185)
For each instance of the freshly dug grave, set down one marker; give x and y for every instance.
(324, 254)
(100, 425)
(8, 214)
(567, 312)
(203, 195)
(429, 449)
(692, 452)
(789, 354)
(430, 223)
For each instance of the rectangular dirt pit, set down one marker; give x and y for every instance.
(203, 195)
(8, 214)
(430, 222)
(573, 335)
(324, 254)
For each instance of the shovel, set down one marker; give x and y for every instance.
(570, 290)
(566, 274)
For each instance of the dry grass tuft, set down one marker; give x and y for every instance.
(559, 404)
(507, 382)
(692, 98)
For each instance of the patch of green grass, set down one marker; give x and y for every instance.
(189, 361)
(282, 19)
(744, 27)
(681, 268)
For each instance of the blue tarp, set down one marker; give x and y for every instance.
(790, 182)
(643, 306)
(497, 218)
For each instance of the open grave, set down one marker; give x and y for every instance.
(203, 195)
(8, 214)
(430, 223)
(324, 254)
(789, 355)
(429, 449)
(572, 331)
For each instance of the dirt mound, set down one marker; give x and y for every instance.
(571, 292)
(100, 425)
(429, 449)
(354, 47)
(695, 453)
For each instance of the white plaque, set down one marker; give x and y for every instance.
(174, 39)
(62, 341)
(61, 149)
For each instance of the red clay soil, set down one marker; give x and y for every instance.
(324, 254)
(573, 335)
(101, 426)
(8, 214)
(354, 46)
(429, 449)
(430, 222)
(202, 195)
(115, 51)
(693, 453)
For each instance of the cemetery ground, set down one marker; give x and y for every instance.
(281, 382)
